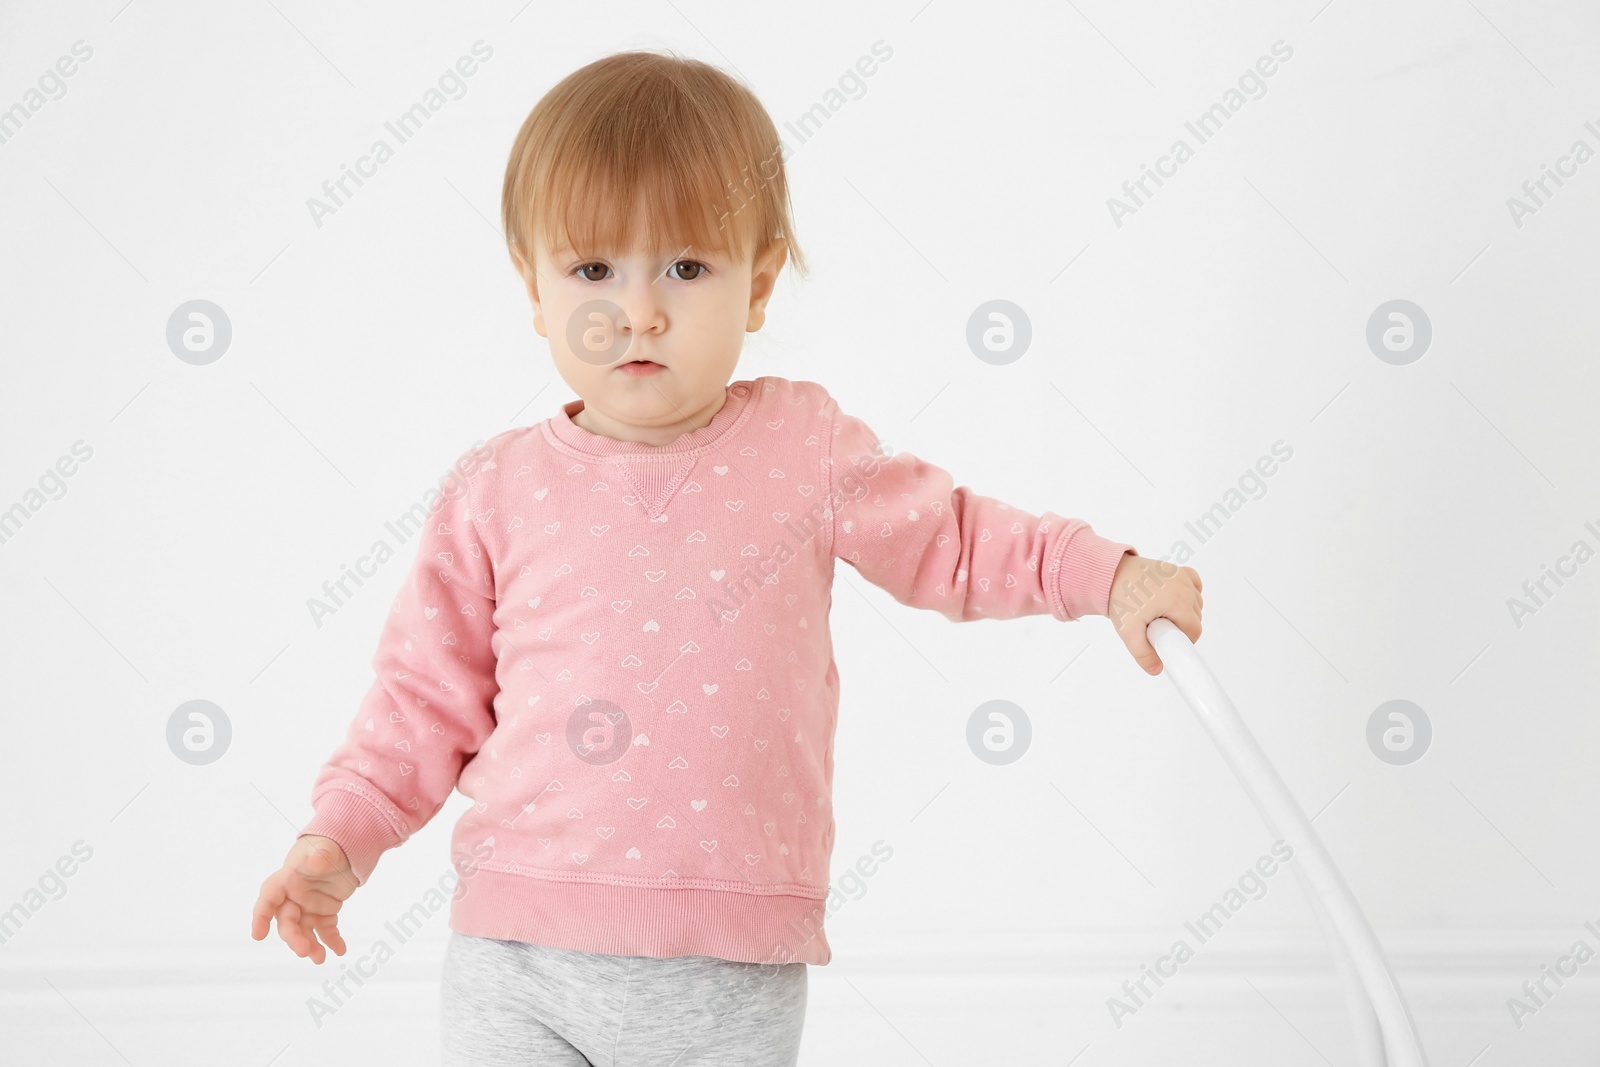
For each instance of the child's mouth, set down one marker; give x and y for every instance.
(640, 366)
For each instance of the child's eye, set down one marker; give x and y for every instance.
(695, 267)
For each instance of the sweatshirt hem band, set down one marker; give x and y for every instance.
(633, 921)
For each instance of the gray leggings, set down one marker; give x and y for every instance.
(514, 1004)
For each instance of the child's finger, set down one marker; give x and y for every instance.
(1187, 620)
(1143, 652)
(325, 861)
(327, 928)
(327, 868)
(271, 897)
(292, 931)
(314, 901)
(318, 953)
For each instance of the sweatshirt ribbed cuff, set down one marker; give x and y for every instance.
(360, 829)
(1085, 567)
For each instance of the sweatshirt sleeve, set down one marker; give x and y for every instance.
(907, 528)
(431, 704)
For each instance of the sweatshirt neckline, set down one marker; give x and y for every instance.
(728, 417)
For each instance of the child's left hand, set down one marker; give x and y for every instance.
(1143, 590)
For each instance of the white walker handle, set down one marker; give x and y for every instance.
(1377, 999)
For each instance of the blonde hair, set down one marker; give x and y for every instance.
(680, 137)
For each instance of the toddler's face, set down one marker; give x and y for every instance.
(684, 311)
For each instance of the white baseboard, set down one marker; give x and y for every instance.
(1427, 962)
(891, 997)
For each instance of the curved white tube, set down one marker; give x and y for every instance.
(1369, 1035)
(1326, 888)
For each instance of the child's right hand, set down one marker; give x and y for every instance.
(305, 896)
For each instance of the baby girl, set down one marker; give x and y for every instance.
(615, 636)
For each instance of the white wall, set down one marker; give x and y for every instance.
(1229, 312)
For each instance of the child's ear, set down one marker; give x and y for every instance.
(763, 279)
(530, 279)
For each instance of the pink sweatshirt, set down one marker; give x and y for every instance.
(621, 653)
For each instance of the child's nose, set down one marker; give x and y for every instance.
(642, 309)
